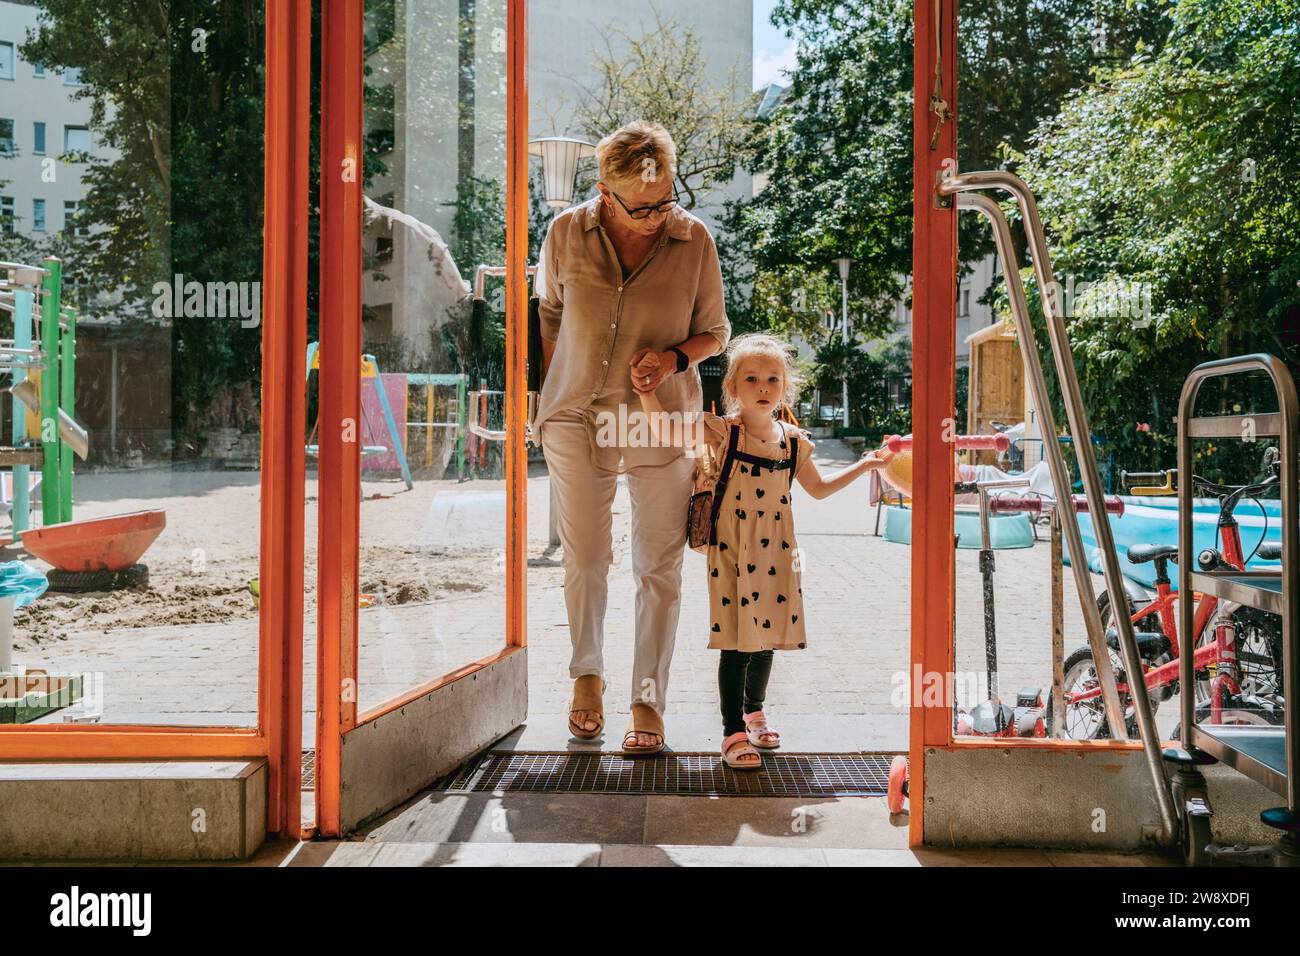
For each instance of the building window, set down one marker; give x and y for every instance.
(6, 137)
(7, 215)
(38, 215)
(76, 139)
(72, 76)
(6, 61)
(38, 137)
(963, 310)
(71, 211)
(38, 69)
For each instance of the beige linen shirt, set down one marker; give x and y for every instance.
(598, 320)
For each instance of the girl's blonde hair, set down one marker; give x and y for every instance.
(638, 152)
(753, 345)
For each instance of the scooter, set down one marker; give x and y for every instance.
(992, 717)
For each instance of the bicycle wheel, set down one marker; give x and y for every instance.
(1087, 720)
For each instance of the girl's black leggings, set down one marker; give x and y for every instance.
(742, 686)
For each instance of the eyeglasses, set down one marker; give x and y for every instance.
(645, 212)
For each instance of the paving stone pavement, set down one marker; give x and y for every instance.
(857, 591)
(857, 594)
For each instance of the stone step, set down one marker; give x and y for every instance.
(132, 811)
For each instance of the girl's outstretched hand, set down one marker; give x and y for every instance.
(877, 458)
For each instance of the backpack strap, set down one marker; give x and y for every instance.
(733, 435)
(794, 456)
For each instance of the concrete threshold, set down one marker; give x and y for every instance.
(132, 811)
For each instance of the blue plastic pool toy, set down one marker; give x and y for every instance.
(1151, 520)
(21, 582)
(1005, 531)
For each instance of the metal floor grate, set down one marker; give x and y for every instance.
(783, 775)
(309, 770)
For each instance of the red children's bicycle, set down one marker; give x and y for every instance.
(1236, 651)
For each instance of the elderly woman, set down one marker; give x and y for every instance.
(631, 301)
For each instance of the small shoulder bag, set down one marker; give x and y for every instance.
(710, 486)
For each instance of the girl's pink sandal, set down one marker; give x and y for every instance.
(737, 746)
(755, 734)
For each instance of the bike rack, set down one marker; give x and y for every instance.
(1250, 750)
(963, 186)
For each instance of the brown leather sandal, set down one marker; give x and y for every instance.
(645, 720)
(588, 694)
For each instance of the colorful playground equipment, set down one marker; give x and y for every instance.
(456, 406)
(481, 435)
(369, 374)
(1149, 520)
(44, 384)
(94, 545)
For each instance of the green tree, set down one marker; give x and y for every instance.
(661, 76)
(1172, 179)
(836, 155)
(176, 92)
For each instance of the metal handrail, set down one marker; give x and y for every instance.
(961, 186)
(1051, 450)
(1289, 412)
(483, 271)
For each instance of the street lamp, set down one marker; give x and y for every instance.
(844, 262)
(560, 156)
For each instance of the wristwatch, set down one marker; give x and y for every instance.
(683, 362)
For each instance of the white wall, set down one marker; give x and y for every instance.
(972, 315)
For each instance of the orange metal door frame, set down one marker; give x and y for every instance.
(516, 397)
(934, 361)
(284, 412)
(934, 326)
(342, 32)
(278, 733)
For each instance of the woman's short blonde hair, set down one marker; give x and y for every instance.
(639, 152)
(753, 345)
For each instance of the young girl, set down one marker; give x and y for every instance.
(755, 594)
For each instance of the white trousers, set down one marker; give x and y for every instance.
(584, 496)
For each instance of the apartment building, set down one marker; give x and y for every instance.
(44, 134)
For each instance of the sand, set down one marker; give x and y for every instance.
(440, 539)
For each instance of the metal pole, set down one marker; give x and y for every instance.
(1058, 628)
(1087, 461)
(67, 404)
(462, 422)
(428, 431)
(844, 340)
(24, 304)
(49, 421)
(986, 573)
(112, 399)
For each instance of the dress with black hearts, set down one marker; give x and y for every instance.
(755, 592)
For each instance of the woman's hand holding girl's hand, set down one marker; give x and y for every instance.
(649, 369)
